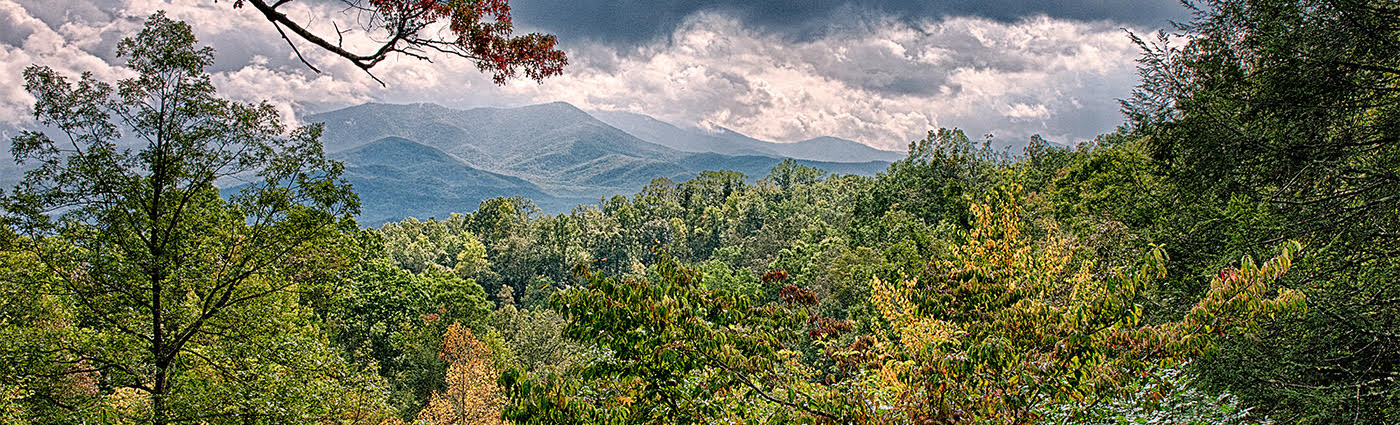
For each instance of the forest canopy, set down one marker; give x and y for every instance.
(1224, 257)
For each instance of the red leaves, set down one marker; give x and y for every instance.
(1227, 275)
(795, 295)
(483, 32)
(478, 30)
(790, 294)
(828, 327)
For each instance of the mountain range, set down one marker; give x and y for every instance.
(426, 160)
(729, 142)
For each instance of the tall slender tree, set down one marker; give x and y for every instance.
(122, 211)
(471, 396)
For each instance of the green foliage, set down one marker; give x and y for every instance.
(1013, 323)
(718, 275)
(1170, 397)
(159, 300)
(1274, 120)
(533, 339)
(417, 246)
(961, 285)
(1101, 183)
(936, 180)
(672, 352)
(395, 319)
(1010, 323)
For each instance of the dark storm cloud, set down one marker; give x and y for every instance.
(99, 14)
(58, 12)
(634, 21)
(879, 72)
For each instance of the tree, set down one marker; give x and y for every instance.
(123, 214)
(1008, 323)
(476, 30)
(675, 352)
(419, 245)
(1280, 119)
(1104, 181)
(395, 320)
(471, 396)
(532, 338)
(1010, 320)
(931, 182)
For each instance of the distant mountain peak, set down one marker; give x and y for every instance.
(392, 141)
(554, 104)
(564, 108)
(427, 160)
(827, 139)
(397, 150)
(831, 140)
(726, 141)
(382, 105)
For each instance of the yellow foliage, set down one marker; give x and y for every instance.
(1012, 322)
(915, 331)
(472, 396)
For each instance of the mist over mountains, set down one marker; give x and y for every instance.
(426, 160)
(729, 142)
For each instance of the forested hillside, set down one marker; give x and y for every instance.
(729, 142)
(426, 160)
(1227, 256)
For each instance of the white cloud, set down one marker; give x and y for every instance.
(884, 86)
(30, 40)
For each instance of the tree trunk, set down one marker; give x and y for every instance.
(159, 387)
(158, 392)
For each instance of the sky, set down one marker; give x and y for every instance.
(881, 72)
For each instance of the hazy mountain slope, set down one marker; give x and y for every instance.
(355, 126)
(730, 142)
(755, 167)
(424, 161)
(398, 178)
(427, 160)
(553, 144)
(687, 140)
(826, 149)
(837, 150)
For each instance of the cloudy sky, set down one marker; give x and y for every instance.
(881, 72)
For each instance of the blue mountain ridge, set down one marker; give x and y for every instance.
(425, 160)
